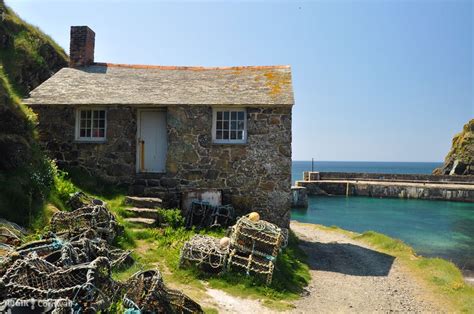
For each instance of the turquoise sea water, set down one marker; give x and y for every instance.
(432, 228)
(363, 166)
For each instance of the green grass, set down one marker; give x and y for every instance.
(160, 248)
(443, 277)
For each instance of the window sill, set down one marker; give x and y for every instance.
(90, 142)
(229, 143)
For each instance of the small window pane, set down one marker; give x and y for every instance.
(225, 135)
(219, 135)
(226, 115)
(219, 115)
(240, 135)
(233, 135)
(240, 125)
(233, 115)
(233, 125)
(88, 133)
(102, 114)
(83, 133)
(219, 125)
(241, 115)
(101, 132)
(102, 123)
(226, 125)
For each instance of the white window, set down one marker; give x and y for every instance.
(229, 126)
(91, 124)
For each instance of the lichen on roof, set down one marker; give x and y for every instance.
(167, 85)
(277, 82)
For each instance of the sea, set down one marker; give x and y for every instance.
(433, 228)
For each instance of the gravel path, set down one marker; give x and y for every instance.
(348, 276)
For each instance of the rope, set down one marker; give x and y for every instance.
(254, 246)
(73, 262)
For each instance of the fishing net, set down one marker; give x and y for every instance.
(10, 233)
(80, 199)
(90, 221)
(146, 292)
(88, 286)
(251, 263)
(253, 247)
(85, 250)
(69, 269)
(203, 215)
(205, 251)
(258, 237)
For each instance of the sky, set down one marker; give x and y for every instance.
(373, 80)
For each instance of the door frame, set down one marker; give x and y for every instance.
(137, 136)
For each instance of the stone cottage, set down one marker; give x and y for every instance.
(164, 130)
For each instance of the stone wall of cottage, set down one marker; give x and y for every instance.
(112, 160)
(252, 176)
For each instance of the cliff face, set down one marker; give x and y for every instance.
(460, 159)
(27, 58)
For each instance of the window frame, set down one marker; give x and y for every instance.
(78, 125)
(214, 126)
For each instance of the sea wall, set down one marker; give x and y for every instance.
(388, 185)
(387, 177)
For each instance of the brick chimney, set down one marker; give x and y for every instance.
(81, 49)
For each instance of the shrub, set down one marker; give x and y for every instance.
(172, 217)
(63, 187)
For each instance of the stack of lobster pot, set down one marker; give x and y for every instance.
(254, 245)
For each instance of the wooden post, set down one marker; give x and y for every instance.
(142, 156)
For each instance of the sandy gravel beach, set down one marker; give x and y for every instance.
(348, 276)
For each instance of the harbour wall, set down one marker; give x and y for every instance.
(429, 187)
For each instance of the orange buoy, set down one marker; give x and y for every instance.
(254, 216)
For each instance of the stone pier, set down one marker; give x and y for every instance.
(299, 197)
(429, 187)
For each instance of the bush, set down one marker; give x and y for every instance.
(63, 187)
(172, 217)
(24, 189)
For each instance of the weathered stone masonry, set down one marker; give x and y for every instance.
(252, 176)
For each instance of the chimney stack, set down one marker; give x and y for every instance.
(81, 49)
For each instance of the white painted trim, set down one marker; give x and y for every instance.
(214, 119)
(137, 137)
(77, 136)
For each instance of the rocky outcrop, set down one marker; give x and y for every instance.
(460, 159)
(27, 58)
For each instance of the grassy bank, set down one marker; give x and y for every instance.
(160, 248)
(440, 276)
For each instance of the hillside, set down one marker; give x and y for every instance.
(27, 58)
(460, 159)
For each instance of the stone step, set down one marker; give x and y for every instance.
(137, 212)
(143, 202)
(142, 222)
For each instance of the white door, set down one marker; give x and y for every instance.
(152, 141)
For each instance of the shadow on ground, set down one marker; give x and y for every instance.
(347, 259)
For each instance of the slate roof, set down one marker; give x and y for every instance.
(103, 83)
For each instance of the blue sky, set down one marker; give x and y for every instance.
(373, 80)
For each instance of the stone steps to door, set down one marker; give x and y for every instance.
(143, 202)
(138, 212)
(142, 222)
